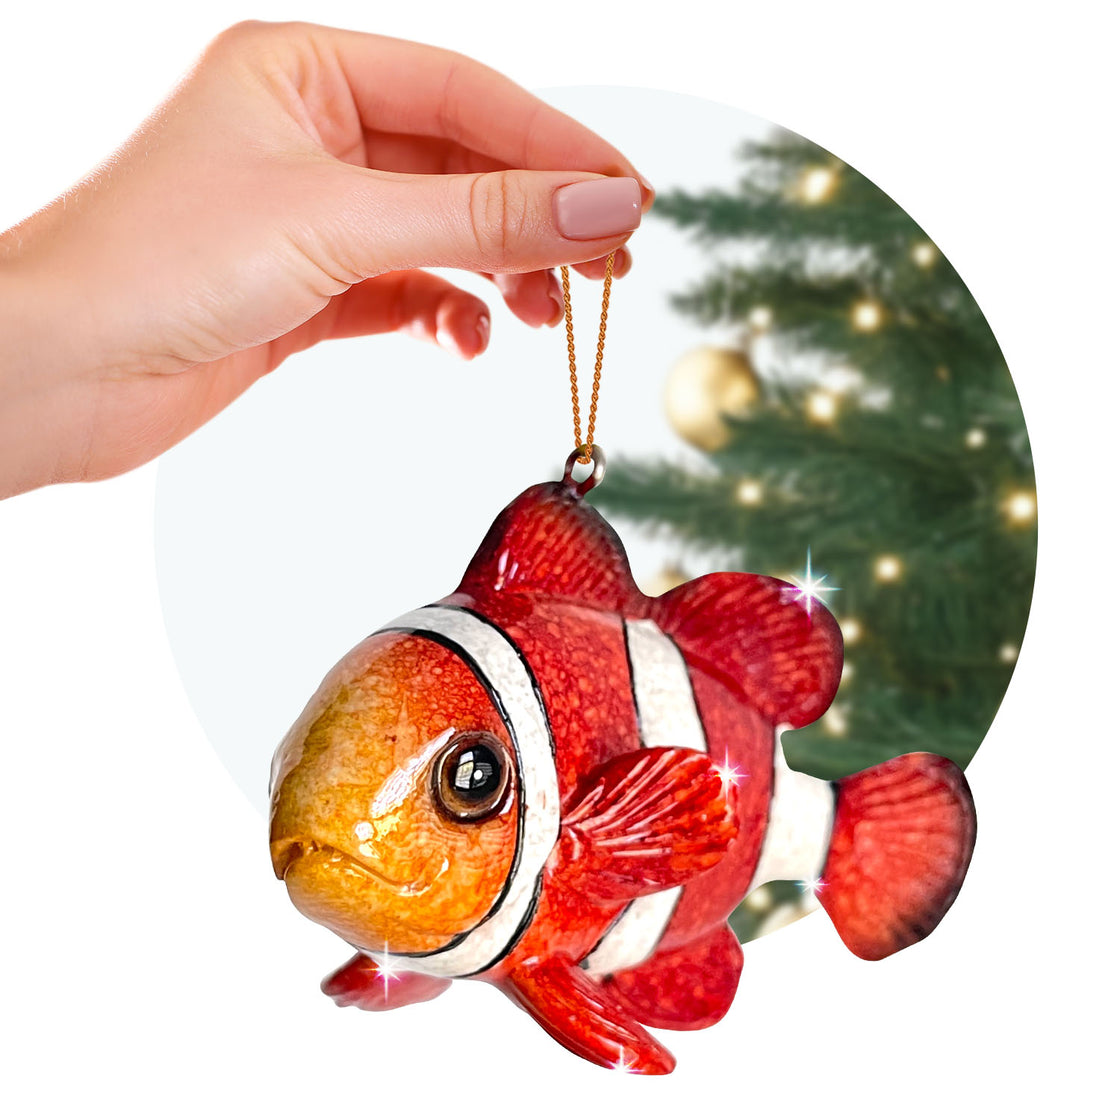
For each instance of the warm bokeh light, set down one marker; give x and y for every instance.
(888, 568)
(821, 406)
(749, 492)
(923, 254)
(1021, 507)
(851, 630)
(1008, 652)
(760, 318)
(975, 437)
(818, 184)
(867, 315)
(761, 898)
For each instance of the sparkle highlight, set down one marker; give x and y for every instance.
(386, 973)
(729, 776)
(624, 1065)
(810, 588)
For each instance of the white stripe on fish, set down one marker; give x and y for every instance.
(667, 717)
(799, 830)
(508, 678)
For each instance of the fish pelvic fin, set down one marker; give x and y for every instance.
(585, 1017)
(362, 982)
(646, 821)
(780, 652)
(901, 844)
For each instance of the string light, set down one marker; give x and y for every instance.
(822, 406)
(888, 568)
(817, 184)
(1008, 653)
(923, 254)
(761, 898)
(760, 318)
(975, 437)
(867, 315)
(850, 630)
(749, 492)
(1021, 507)
(835, 721)
(847, 671)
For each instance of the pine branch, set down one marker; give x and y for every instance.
(916, 466)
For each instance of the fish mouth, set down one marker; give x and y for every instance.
(286, 853)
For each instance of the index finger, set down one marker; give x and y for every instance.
(406, 87)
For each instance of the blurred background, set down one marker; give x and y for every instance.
(853, 405)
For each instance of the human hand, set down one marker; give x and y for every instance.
(288, 191)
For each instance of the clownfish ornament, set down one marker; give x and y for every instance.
(553, 783)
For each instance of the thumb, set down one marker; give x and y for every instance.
(496, 221)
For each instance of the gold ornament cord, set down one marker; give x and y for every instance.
(581, 443)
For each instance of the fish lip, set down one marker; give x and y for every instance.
(287, 852)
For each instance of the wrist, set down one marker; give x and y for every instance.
(41, 428)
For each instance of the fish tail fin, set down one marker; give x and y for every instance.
(901, 843)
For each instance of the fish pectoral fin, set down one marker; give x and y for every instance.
(646, 821)
(362, 982)
(584, 1017)
(685, 988)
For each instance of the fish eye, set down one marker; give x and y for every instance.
(470, 777)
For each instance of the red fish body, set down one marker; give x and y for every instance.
(556, 784)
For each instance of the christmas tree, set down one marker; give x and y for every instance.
(864, 413)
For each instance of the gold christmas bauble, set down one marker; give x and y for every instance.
(704, 387)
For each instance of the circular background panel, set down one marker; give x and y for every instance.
(796, 383)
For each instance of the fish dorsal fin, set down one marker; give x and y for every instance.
(549, 541)
(754, 633)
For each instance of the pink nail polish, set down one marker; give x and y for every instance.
(597, 208)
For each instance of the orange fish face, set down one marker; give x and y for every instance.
(394, 799)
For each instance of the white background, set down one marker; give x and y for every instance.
(153, 967)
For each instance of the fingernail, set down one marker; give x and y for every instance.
(647, 186)
(597, 208)
(482, 328)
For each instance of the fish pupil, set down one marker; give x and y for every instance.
(477, 773)
(471, 778)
